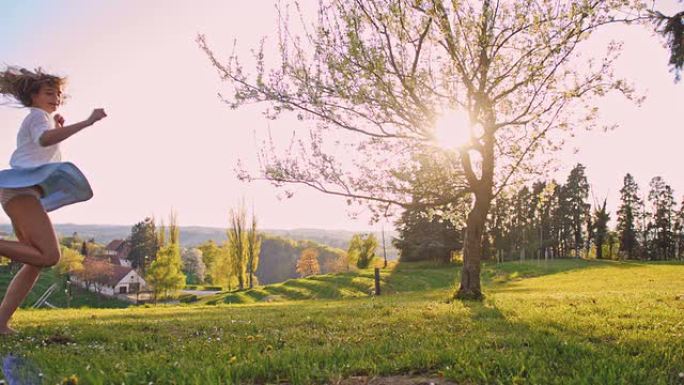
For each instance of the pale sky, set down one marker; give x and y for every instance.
(169, 142)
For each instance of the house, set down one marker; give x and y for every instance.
(104, 277)
(117, 252)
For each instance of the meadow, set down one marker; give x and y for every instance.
(556, 322)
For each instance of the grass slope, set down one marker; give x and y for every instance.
(80, 297)
(565, 322)
(406, 277)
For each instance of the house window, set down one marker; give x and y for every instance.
(122, 290)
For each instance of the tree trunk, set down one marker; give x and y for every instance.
(473, 251)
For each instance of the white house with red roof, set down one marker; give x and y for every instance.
(102, 276)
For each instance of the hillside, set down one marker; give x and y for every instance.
(399, 278)
(195, 235)
(278, 258)
(561, 322)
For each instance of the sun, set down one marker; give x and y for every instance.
(452, 129)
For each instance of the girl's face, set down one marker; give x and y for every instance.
(48, 98)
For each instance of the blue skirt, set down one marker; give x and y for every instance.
(62, 183)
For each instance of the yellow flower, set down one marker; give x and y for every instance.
(73, 380)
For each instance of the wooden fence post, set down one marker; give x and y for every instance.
(377, 281)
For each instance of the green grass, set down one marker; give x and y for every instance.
(562, 322)
(404, 278)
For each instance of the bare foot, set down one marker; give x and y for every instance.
(7, 331)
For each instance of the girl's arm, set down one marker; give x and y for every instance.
(57, 135)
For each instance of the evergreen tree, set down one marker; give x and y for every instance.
(143, 243)
(601, 218)
(543, 205)
(561, 223)
(630, 207)
(423, 238)
(672, 28)
(679, 231)
(577, 192)
(662, 203)
(522, 218)
(500, 226)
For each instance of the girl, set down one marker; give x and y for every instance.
(38, 181)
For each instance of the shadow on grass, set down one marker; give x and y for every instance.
(418, 276)
(494, 274)
(554, 352)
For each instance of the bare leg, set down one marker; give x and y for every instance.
(18, 289)
(38, 247)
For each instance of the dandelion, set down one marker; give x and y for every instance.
(73, 380)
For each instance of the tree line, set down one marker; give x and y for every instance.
(548, 219)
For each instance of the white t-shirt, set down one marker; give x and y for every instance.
(29, 152)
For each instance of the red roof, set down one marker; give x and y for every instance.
(115, 274)
(115, 244)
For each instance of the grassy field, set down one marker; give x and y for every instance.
(562, 322)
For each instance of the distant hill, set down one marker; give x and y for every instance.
(195, 235)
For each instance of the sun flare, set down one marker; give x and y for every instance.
(452, 129)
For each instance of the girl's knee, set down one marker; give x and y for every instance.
(51, 259)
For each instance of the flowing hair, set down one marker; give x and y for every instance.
(20, 84)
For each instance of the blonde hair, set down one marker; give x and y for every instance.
(21, 84)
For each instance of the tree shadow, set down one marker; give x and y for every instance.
(555, 352)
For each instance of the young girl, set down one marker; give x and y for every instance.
(38, 181)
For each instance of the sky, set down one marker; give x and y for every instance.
(169, 142)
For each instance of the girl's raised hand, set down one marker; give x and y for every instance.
(97, 114)
(59, 120)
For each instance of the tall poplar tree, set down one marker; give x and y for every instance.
(238, 243)
(253, 250)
